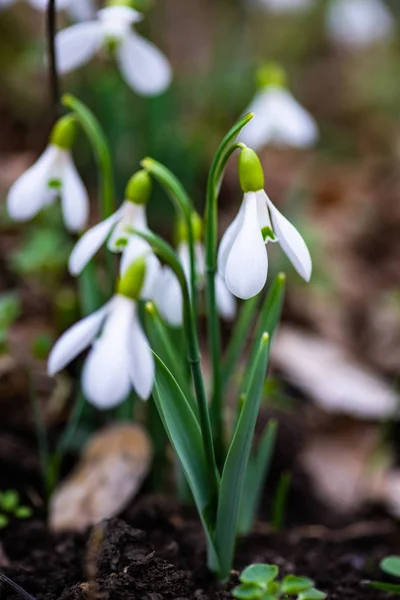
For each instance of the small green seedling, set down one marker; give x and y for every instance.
(259, 582)
(391, 566)
(10, 507)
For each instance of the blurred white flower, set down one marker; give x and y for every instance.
(168, 294)
(359, 22)
(242, 255)
(79, 9)
(281, 6)
(53, 175)
(143, 66)
(278, 117)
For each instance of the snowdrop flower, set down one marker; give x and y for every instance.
(78, 9)
(53, 175)
(359, 22)
(278, 117)
(117, 228)
(242, 256)
(120, 357)
(282, 6)
(168, 294)
(144, 68)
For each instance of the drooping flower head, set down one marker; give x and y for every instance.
(144, 68)
(53, 175)
(117, 228)
(359, 22)
(278, 117)
(120, 358)
(168, 295)
(242, 256)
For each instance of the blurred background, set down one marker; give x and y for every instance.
(337, 357)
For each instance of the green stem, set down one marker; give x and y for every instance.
(166, 253)
(182, 202)
(215, 177)
(96, 136)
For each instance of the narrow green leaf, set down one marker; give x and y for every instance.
(256, 475)
(234, 472)
(391, 565)
(280, 501)
(247, 592)
(259, 574)
(393, 588)
(162, 345)
(184, 434)
(238, 340)
(292, 584)
(312, 594)
(268, 321)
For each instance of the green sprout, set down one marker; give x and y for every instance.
(259, 582)
(10, 507)
(391, 566)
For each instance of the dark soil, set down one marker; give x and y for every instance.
(156, 551)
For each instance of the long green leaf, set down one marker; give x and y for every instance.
(268, 321)
(257, 471)
(184, 434)
(234, 473)
(238, 339)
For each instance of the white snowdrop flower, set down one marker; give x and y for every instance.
(282, 6)
(53, 175)
(168, 294)
(278, 117)
(117, 228)
(143, 66)
(242, 256)
(120, 358)
(359, 22)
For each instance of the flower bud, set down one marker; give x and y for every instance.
(182, 232)
(251, 175)
(139, 187)
(131, 284)
(271, 74)
(63, 134)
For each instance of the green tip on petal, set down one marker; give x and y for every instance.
(139, 187)
(64, 131)
(251, 174)
(131, 284)
(271, 74)
(182, 232)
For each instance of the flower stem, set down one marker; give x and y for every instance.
(51, 48)
(224, 152)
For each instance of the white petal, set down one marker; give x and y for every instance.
(184, 258)
(135, 248)
(291, 242)
(43, 4)
(168, 298)
(90, 243)
(74, 197)
(228, 238)
(134, 215)
(226, 302)
(359, 22)
(143, 66)
(77, 44)
(153, 271)
(141, 361)
(279, 118)
(30, 192)
(113, 18)
(105, 377)
(283, 5)
(247, 265)
(75, 340)
(262, 210)
(81, 10)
